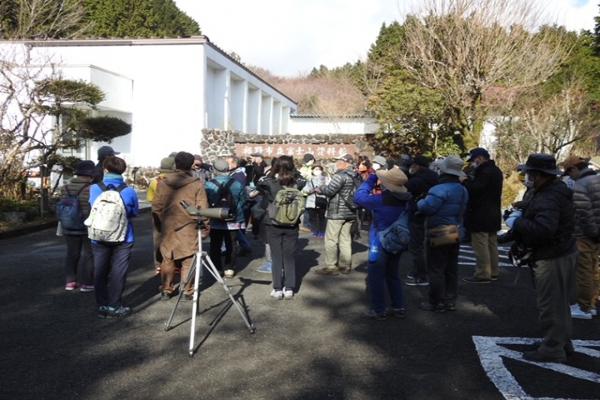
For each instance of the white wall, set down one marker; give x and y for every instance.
(325, 125)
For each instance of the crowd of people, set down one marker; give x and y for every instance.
(411, 204)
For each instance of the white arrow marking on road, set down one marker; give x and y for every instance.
(491, 352)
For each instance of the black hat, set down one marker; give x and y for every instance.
(544, 163)
(478, 151)
(347, 158)
(421, 160)
(106, 151)
(86, 168)
(308, 157)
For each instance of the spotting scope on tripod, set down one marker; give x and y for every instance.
(203, 260)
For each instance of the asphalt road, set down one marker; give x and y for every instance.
(316, 346)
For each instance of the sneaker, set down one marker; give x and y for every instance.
(438, 308)
(346, 270)
(416, 281)
(473, 279)
(397, 312)
(578, 313)
(288, 294)
(229, 273)
(594, 312)
(536, 356)
(410, 276)
(450, 306)
(102, 312)
(277, 294)
(118, 312)
(71, 286)
(372, 314)
(86, 288)
(327, 271)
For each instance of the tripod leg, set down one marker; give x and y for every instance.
(208, 264)
(197, 267)
(181, 285)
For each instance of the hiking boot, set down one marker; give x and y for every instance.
(536, 356)
(372, 314)
(578, 313)
(397, 312)
(277, 294)
(327, 271)
(416, 281)
(438, 308)
(86, 288)
(288, 294)
(473, 279)
(71, 286)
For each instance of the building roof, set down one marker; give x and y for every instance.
(326, 116)
(194, 40)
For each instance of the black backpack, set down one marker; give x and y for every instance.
(224, 198)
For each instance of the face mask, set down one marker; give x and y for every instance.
(376, 166)
(317, 173)
(412, 171)
(528, 181)
(474, 164)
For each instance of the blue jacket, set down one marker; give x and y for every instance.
(239, 195)
(445, 203)
(386, 206)
(129, 197)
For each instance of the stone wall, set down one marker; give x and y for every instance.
(216, 143)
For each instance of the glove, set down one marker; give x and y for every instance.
(513, 217)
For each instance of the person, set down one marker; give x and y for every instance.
(259, 211)
(340, 217)
(379, 162)
(236, 171)
(282, 239)
(307, 165)
(444, 207)
(103, 153)
(546, 227)
(167, 165)
(387, 207)
(178, 230)
(484, 216)
(316, 204)
(365, 169)
(420, 180)
(586, 199)
(111, 260)
(257, 169)
(200, 169)
(79, 246)
(224, 190)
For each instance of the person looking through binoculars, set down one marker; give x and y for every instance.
(179, 239)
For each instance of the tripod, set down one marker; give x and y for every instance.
(202, 259)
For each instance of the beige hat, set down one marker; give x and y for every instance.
(393, 179)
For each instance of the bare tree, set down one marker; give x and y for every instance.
(541, 124)
(44, 19)
(462, 48)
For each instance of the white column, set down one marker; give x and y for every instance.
(276, 124)
(266, 124)
(253, 111)
(285, 118)
(226, 100)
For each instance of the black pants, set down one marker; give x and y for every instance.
(442, 269)
(416, 248)
(317, 219)
(217, 237)
(79, 252)
(111, 264)
(283, 243)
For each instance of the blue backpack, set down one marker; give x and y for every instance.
(68, 211)
(395, 238)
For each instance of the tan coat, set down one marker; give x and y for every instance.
(179, 237)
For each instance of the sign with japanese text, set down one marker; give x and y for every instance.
(320, 151)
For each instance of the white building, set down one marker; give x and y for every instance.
(169, 90)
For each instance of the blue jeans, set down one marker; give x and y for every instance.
(385, 271)
(111, 264)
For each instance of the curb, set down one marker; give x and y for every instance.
(49, 224)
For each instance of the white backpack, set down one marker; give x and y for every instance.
(108, 218)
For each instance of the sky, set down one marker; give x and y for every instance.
(290, 37)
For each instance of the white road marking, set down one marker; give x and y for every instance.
(491, 353)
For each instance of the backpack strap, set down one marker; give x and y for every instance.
(102, 186)
(81, 190)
